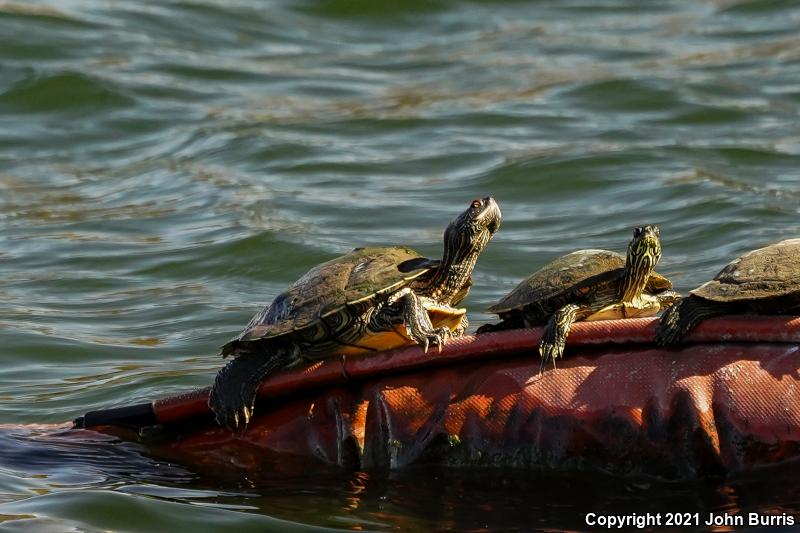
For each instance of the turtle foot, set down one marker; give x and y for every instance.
(233, 395)
(668, 329)
(439, 337)
(233, 404)
(554, 336)
(549, 351)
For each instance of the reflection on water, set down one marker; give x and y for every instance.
(61, 458)
(81, 476)
(166, 169)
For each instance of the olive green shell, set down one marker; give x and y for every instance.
(764, 273)
(584, 268)
(360, 277)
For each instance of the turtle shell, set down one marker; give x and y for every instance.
(768, 272)
(359, 277)
(583, 268)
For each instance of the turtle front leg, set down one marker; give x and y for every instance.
(555, 334)
(418, 323)
(409, 309)
(684, 316)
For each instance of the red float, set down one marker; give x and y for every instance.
(727, 400)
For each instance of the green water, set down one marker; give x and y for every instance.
(168, 167)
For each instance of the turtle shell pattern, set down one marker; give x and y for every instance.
(581, 269)
(352, 282)
(769, 272)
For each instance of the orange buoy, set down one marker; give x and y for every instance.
(726, 400)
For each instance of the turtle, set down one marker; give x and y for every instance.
(765, 281)
(587, 285)
(368, 300)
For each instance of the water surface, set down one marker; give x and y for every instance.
(167, 168)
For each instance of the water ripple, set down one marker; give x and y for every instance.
(166, 169)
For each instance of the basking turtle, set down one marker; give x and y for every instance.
(370, 299)
(765, 281)
(587, 285)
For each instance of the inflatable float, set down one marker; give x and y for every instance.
(727, 400)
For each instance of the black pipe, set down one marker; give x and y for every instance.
(132, 416)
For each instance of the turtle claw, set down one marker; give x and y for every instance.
(549, 351)
(237, 419)
(233, 395)
(234, 416)
(554, 336)
(440, 338)
(543, 364)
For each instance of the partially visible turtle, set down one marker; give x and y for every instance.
(370, 299)
(765, 282)
(587, 285)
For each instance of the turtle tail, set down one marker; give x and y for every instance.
(233, 394)
(683, 317)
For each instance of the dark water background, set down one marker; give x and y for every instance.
(168, 167)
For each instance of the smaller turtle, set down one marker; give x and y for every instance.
(765, 282)
(587, 285)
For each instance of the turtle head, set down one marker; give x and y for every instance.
(644, 253)
(645, 247)
(470, 232)
(464, 239)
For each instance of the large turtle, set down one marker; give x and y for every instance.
(765, 281)
(587, 285)
(370, 299)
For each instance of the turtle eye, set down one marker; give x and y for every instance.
(637, 232)
(476, 204)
